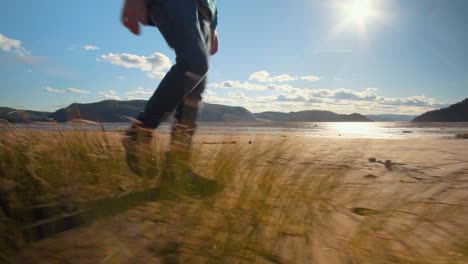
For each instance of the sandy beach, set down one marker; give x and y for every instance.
(293, 199)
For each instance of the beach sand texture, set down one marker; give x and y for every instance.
(292, 199)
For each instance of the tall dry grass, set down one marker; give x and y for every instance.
(273, 208)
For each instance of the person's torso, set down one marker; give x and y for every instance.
(210, 4)
(207, 7)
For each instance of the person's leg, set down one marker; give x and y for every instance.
(188, 34)
(186, 112)
(185, 118)
(179, 23)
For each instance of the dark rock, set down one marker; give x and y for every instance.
(388, 164)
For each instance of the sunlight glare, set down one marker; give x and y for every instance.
(353, 128)
(357, 14)
(358, 11)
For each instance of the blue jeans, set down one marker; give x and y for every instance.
(187, 32)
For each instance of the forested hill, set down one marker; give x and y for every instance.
(118, 111)
(311, 116)
(455, 113)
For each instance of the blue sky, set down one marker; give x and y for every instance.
(375, 56)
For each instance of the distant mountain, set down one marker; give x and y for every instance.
(116, 111)
(310, 116)
(15, 115)
(223, 113)
(391, 118)
(455, 113)
(110, 111)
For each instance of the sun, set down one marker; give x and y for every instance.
(358, 11)
(357, 14)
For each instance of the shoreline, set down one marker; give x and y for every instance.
(352, 130)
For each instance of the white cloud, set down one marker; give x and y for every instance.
(240, 85)
(265, 77)
(156, 75)
(110, 95)
(49, 89)
(285, 98)
(237, 95)
(310, 78)
(121, 78)
(74, 90)
(154, 65)
(131, 98)
(139, 93)
(52, 90)
(12, 45)
(368, 94)
(283, 88)
(90, 47)
(235, 98)
(414, 101)
(212, 98)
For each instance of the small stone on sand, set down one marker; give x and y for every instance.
(388, 164)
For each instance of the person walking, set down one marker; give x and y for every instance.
(189, 28)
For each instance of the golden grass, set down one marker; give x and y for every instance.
(273, 208)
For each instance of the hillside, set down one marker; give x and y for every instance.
(223, 113)
(116, 111)
(455, 113)
(310, 116)
(104, 111)
(391, 118)
(15, 115)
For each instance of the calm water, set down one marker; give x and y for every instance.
(387, 130)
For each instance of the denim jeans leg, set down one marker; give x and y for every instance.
(186, 32)
(186, 112)
(185, 118)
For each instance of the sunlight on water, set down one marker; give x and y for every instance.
(353, 128)
(383, 130)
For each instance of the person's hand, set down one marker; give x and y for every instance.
(214, 42)
(133, 13)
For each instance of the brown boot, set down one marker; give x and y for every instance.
(135, 138)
